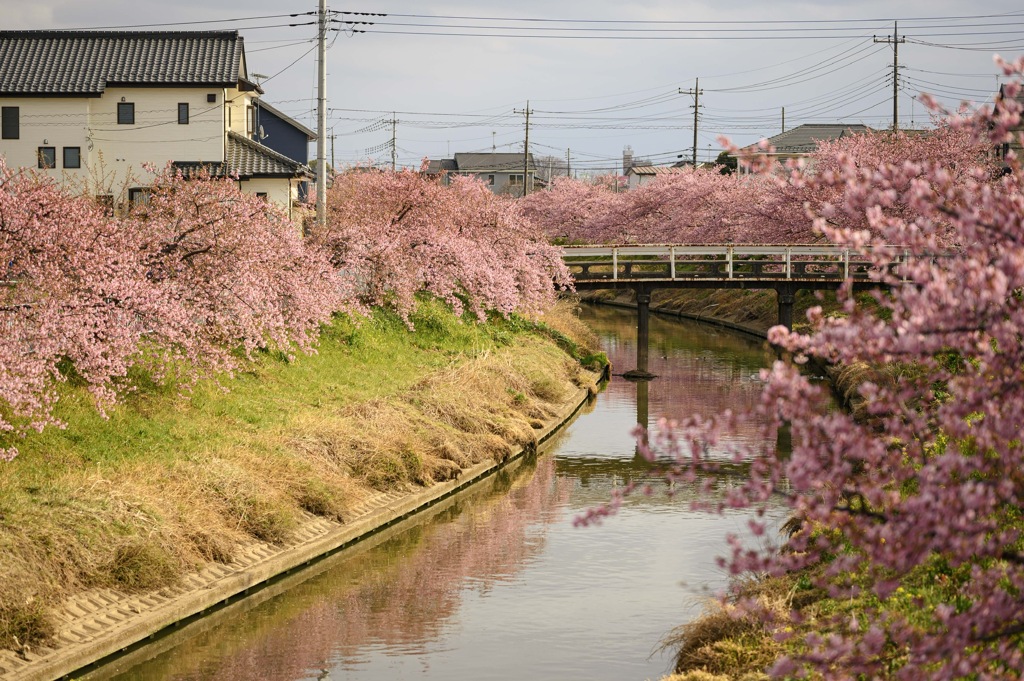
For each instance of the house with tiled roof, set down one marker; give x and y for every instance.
(96, 108)
(503, 173)
(802, 141)
(638, 175)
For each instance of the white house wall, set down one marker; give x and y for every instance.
(46, 122)
(237, 113)
(113, 155)
(280, 190)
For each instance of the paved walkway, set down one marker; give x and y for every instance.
(102, 622)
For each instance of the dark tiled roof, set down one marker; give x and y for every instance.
(86, 62)
(441, 166)
(486, 163)
(804, 138)
(248, 159)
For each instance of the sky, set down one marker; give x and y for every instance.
(597, 76)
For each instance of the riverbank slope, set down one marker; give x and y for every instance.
(173, 494)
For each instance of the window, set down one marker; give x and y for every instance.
(72, 157)
(490, 180)
(139, 196)
(126, 113)
(47, 157)
(250, 120)
(515, 180)
(262, 195)
(182, 113)
(211, 98)
(11, 123)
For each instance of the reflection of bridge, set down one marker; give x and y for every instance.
(785, 268)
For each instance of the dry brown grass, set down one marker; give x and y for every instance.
(71, 521)
(731, 644)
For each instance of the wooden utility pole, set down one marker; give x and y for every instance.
(696, 92)
(895, 41)
(321, 116)
(526, 149)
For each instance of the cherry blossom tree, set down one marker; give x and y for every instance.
(392, 235)
(197, 273)
(932, 474)
(71, 294)
(230, 270)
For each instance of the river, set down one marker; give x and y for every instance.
(498, 583)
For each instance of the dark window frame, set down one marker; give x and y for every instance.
(10, 122)
(77, 161)
(126, 113)
(183, 113)
(139, 196)
(44, 153)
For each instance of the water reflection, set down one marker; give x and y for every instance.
(499, 584)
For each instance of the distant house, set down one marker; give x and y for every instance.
(637, 176)
(802, 140)
(503, 173)
(285, 135)
(91, 108)
(1013, 145)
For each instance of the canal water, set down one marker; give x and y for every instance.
(498, 583)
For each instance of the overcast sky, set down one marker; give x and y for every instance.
(598, 75)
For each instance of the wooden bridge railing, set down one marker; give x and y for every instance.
(795, 263)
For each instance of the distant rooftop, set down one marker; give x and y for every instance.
(656, 170)
(804, 138)
(481, 163)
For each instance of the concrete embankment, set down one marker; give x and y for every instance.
(102, 623)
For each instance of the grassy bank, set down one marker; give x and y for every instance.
(170, 481)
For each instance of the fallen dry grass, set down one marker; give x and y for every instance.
(168, 484)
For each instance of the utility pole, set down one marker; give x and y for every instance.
(696, 92)
(332, 149)
(321, 117)
(895, 41)
(526, 149)
(568, 166)
(394, 140)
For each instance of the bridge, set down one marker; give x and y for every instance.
(784, 268)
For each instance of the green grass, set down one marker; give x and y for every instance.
(174, 478)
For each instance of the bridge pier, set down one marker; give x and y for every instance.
(786, 294)
(643, 335)
(643, 328)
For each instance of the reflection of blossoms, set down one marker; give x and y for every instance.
(400, 594)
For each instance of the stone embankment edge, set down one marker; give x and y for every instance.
(72, 659)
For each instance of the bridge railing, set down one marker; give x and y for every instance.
(725, 262)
